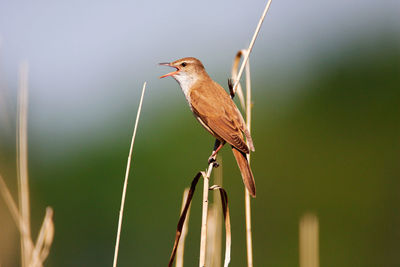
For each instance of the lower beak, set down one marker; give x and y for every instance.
(171, 73)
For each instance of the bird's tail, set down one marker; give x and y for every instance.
(245, 170)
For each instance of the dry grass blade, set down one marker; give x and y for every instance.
(22, 163)
(44, 240)
(181, 246)
(253, 40)
(128, 165)
(225, 210)
(183, 217)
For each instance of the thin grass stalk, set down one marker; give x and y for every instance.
(247, 202)
(22, 163)
(203, 235)
(253, 40)
(128, 165)
(214, 225)
(247, 107)
(181, 246)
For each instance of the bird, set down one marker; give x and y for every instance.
(217, 113)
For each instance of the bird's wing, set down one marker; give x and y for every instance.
(223, 118)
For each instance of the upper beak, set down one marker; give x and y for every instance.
(171, 73)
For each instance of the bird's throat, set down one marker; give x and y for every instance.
(186, 82)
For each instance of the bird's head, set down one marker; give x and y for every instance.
(186, 68)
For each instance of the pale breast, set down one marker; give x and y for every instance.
(186, 82)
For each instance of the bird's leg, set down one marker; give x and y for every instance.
(217, 146)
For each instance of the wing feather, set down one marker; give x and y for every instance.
(224, 120)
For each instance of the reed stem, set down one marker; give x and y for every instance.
(128, 166)
(203, 237)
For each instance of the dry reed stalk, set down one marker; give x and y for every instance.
(224, 200)
(181, 246)
(246, 107)
(225, 210)
(214, 231)
(253, 40)
(128, 165)
(249, 244)
(22, 163)
(308, 240)
(213, 253)
(44, 240)
(203, 235)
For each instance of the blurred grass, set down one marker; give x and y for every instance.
(332, 147)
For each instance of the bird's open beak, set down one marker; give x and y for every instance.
(171, 73)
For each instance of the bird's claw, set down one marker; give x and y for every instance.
(214, 161)
(211, 160)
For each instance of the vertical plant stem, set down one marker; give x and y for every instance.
(247, 107)
(309, 241)
(249, 244)
(128, 165)
(22, 163)
(214, 224)
(203, 236)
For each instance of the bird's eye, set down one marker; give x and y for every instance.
(183, 64)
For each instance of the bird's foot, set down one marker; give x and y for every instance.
(212, 159)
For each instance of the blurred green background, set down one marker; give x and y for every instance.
(326, 126)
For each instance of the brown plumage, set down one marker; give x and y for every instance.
(215, 110)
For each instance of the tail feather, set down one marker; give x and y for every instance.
(249, 140)
(245, 170)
